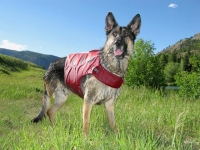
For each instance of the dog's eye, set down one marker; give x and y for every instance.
(114, 33)
(126, 34)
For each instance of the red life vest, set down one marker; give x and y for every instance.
(81, 64)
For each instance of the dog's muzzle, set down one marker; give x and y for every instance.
(118, 51)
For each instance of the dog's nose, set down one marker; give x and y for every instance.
(118, 42)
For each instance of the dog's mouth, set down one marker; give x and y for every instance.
(118, 52)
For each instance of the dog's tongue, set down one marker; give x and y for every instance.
(118, 52)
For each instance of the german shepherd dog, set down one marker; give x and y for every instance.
(114, 57)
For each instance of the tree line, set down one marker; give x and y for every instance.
(178, 67)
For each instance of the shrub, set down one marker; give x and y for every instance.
(144, 67)
(170, 70)
(189, 84)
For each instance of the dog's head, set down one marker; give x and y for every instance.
(120, 40)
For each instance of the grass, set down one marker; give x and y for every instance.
(146, 119)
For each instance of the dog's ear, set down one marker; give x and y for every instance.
(110, 22)
(135, 25)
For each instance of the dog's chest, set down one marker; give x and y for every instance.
(106, 94)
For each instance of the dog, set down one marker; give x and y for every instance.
(98, 84)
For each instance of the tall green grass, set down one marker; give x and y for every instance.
(146, 119)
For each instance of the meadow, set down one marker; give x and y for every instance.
(146, 119)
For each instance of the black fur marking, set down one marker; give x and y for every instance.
(55, 70)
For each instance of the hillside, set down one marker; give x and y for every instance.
(191, 44)
(41, 60)
(10, 64)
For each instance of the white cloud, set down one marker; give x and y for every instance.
(8, 45)
(172, 5)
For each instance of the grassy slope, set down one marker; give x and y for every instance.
(37, 58)
(146, 119)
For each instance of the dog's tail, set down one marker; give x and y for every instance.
(45, 107)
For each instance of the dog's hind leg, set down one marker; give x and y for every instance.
(45, 107)
(109, 107)
(60, 95)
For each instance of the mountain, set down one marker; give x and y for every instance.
(191, 44)
(185, 52)
(41, 60)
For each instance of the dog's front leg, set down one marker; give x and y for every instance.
(109, 106)
(87, 107)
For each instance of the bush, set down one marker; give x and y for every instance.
(170, 70)
(144, 67)
(189, 84)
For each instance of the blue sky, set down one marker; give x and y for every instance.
(61, 27)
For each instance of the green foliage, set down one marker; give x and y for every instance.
(170, 70)
(182, 64)
(185, 52)
(144, 67)
(195, 62)
(12, 63)
(172, 57)
(163, 59)
(189, 84)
